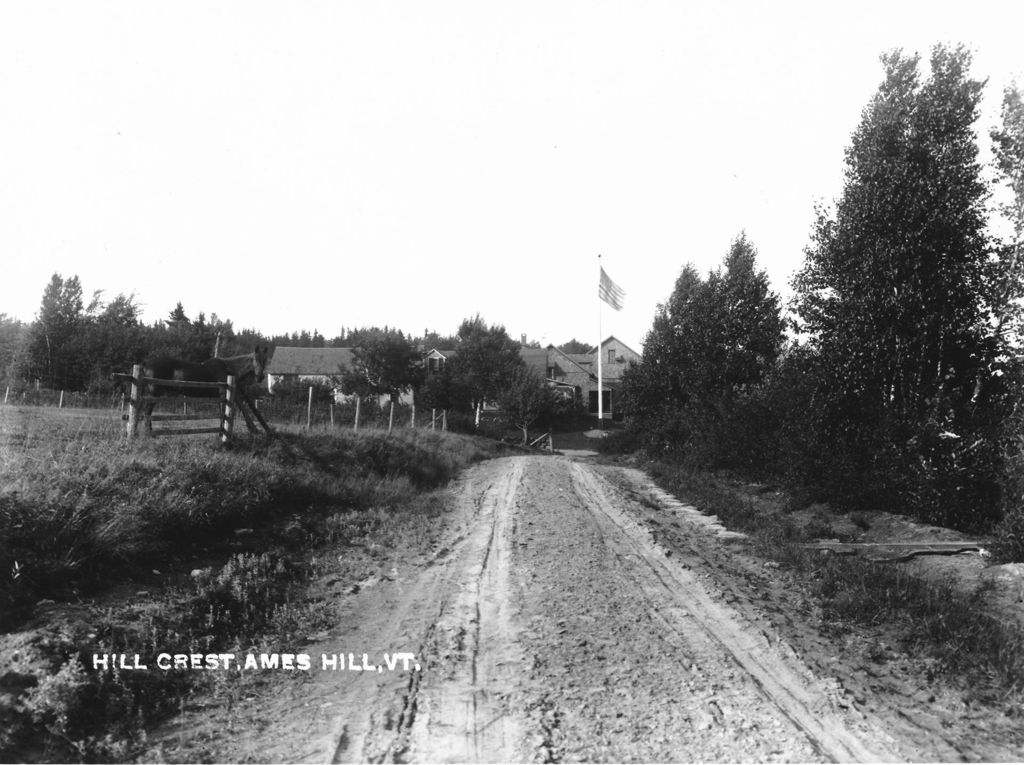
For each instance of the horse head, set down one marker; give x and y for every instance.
(260, 358)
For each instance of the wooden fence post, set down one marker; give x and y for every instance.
(355, 425)
(391, 415)
(228, 417)
(7, 393)
(412, 420)
(444, 420)
(309, 409)
(332, 415)
(60, 404)
(135, 402)
(433, 418)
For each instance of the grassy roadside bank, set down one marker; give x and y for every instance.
(184, 547)
(956, 628)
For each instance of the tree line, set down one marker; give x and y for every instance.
(893, 378)
(74, 345)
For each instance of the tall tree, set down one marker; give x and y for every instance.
(897, 290)
(738, 328)
(1008, 148)
(52, 354)
(14, 335)
(894, 285)
(178, 315)
(712, 339)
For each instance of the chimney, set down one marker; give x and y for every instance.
(524, 338)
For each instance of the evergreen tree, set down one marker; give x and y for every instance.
(52, 354)
(178, 315)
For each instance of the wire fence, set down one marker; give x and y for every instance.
(317, 415)
(30, 396)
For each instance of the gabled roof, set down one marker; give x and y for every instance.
(613, 337)
(571, 361)
(539, 359)
(536, 359)
(445, 353)
(290, 360)
(582, 358)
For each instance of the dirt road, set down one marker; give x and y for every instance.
(551, 625)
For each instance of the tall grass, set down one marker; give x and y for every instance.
(75, 512)
(80, 510)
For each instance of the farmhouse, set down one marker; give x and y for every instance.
(436, 359)
(615, 359)
(577, 372)
(315, 365)
(309, 365)
(574, 375)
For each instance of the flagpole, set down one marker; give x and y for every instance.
(600, 385)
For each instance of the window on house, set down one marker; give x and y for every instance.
(611, 355)
(551, 373)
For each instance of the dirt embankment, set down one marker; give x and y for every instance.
(550, 624)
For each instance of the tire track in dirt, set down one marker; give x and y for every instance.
(791, 689)
(465, 711)
(926, 720)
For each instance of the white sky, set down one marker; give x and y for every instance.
(325, 164)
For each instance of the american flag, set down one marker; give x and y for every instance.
(610, 292)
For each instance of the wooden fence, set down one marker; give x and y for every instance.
(231, 401)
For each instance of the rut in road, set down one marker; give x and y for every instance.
(562, 631)
(464, 712)
(839, 737)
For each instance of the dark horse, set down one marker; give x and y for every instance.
(249, 367)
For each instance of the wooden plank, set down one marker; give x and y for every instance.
(228, 420)
(163, 383)
(894, 552)
(536, 441)
(895, 546)
(183, 417)
(166, 417)
(183, 383)
(177, 399)
(135, 404)
(254, 409)
(184, 431)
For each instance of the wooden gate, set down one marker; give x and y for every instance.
(137, 402)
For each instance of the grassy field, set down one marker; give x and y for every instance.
(83, 513)
(935, 618)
